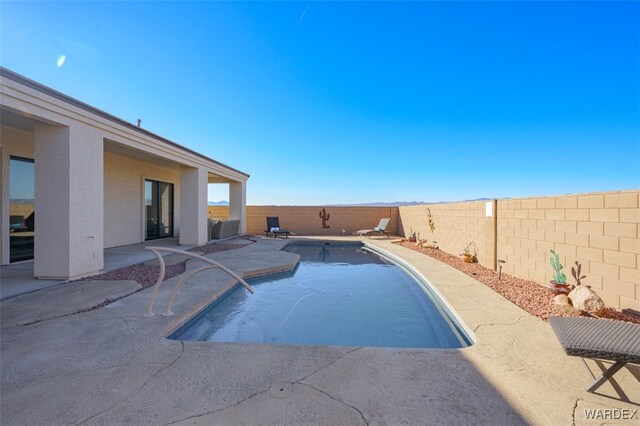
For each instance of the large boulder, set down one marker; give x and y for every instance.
(586, 300)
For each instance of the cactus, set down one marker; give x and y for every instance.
(432, 224)
(325, 217)
(412, 233)
(558, 277)
(576, 273)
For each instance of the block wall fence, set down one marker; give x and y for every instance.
(305, 220)
(600, 230)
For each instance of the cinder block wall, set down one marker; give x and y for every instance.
(456, 225)
(600, 230)
(219, 212)
(305, 220)
(23, 210)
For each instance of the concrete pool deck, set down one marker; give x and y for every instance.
(113, 366)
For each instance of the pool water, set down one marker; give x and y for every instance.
(342, 295)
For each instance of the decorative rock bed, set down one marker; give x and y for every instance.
(528, 295)
(146, 273)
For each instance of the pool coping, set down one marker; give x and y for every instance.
(454, 320)
(113, 366)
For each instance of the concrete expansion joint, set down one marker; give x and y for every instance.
(83, 371)
(338, 400)
(459, 286)
(80, 311)
(328, 365)
(501, 323)
(131, 394)
(573, 412)
(235, 404)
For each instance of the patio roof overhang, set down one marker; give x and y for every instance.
(26, 102)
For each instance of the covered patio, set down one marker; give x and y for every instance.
(91, 182)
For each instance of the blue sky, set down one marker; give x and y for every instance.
(360, 102)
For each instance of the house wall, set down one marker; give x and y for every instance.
(124, 197)
(69, 196)
(123, 191)
(71, 140)
(305, 220)
(13, 142)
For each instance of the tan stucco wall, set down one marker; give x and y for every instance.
(305, 220)
(16, 142)
(69, 195)
(123, 197)
(70, 140)
(123, 190)
(193, 205)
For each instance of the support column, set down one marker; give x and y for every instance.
(238, 204)
(4, 206)
(193, 206)
(490, 236)
(69, 228)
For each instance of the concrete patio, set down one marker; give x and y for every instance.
(17, 278)
(66, 363)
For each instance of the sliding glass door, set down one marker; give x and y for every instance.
(158, 198)
(22, 190)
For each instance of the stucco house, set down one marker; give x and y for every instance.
(76, 180)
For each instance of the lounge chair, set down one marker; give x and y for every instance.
(599, 339)
(381, 229)
(273, 227)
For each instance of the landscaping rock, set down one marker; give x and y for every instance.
(562, 303)
(585, 299)
(529, 295)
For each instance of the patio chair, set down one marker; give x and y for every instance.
(273, 227)
(381, 229)
(599, 339)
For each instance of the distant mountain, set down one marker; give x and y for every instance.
(404, 203)
(381, 204)
(375, 204)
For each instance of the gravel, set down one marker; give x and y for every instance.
(212, 248)
(528, 295)
(146, 275)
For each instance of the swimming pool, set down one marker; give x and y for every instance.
(339, 294)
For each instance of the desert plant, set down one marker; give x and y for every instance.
(558, 275)
(432, 224)
(467, 249)
(576, 271)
